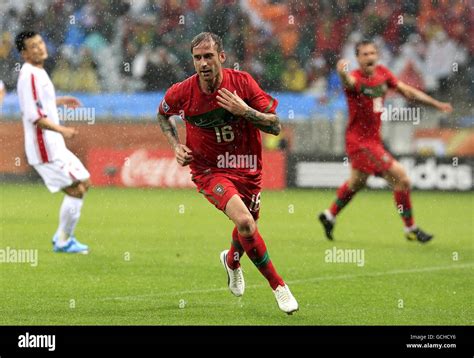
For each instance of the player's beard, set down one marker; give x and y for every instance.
(211, 81)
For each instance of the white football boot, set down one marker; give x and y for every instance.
(235, 278)
(285, 299)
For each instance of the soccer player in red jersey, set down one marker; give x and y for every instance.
(365, 90)
(224, 111)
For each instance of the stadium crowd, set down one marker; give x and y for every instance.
(143, 45)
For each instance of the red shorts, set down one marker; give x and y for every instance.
(372, 159)
(218, 188)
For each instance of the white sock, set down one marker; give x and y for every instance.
(69, 215)
(410, 229)
(329, 216)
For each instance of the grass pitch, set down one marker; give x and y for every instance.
(154, 260)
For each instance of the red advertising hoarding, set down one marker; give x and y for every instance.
(158, 168)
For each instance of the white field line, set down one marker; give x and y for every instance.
(293, 282)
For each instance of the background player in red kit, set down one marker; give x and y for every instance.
(365, 91)
(224, 110)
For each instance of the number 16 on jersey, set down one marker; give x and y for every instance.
(225, 134)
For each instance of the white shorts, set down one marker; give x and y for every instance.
(63, 172)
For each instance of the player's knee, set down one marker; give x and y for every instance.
(403, 183)
(84, 186)
(357, 184)
(73, 191)
(245, 224)
(78, 193)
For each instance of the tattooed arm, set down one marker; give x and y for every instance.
(266, 122)
(168, 127)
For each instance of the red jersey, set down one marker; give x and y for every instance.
(220, 141)
(365, 102)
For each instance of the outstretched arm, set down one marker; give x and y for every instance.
(412, 93)
(46, 123)
(168, 126)
(68, 101)
(2, 93)
(266, 122)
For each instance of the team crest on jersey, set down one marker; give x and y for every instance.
(385, 158)
(374, 91)
(165, 106)
(214, 118)
(219, 189)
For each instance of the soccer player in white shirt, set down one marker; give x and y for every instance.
(2, 94)
(44, 139)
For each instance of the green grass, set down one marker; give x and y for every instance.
(174, 261)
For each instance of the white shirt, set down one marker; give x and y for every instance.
(38, 99)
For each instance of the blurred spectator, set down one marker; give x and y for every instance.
(273, 62)
(331, 32)
(441, 55)
(385, 56)
(334, 88)
(83, 79)
(409, 65)
(317, 76)
(294, 77)
(469, 80)
(303, 15)
(219, 16)
(94, 43)
(348, 51)
(62, 75)
(86, 77)
(161, 70)
(6, 45)
(10, 22)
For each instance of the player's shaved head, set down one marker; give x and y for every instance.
(207, 37)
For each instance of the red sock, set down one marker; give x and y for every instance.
(256, 250)
(402, 200)
(236, 251)
(344, 195)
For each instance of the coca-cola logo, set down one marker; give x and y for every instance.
(143, 169)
